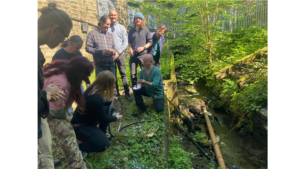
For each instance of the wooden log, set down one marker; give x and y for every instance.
(213, 139)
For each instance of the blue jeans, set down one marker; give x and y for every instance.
(100, 69)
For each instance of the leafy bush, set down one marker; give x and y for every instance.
(178, 157)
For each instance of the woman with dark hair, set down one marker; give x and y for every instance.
(54, 25)
(139, 39)
(68, 74)
(97, 100)
(69, 50)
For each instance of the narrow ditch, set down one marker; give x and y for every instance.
(238, 151)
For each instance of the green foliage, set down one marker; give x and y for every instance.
(165, 66)
(198, 135)
(134, 152)
(178, 157)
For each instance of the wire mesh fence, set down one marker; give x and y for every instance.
(255, 14)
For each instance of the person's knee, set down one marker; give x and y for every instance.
(102, 147)
(159, 109)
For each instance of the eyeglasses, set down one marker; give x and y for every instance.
(66, 37)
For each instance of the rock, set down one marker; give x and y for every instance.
(190, 89)
(195, 109)
(204, 143)
(222, 143)
(263, 113)
(217, 138)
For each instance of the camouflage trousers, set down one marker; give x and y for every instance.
(65, 134)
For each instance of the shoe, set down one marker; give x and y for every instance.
(128, 97)
(108, 136)
(139, 112)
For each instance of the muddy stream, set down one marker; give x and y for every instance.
(238, 151)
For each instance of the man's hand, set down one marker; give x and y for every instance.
(141, 81)
(105, 52)
(116, 55)
(115, 98)
(111, 51)
(131, 52)
(119, 117)
(87, 85)
(140, 49)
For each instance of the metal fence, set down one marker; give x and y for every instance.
(255, 14)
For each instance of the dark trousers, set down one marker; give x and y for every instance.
(158, 103)
(133, 63)
(100, 69)
(92, 138)
(120, 62)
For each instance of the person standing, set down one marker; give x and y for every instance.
(156, 48)
(158, 41)
(121, 41)
(150, 79)
(139, 39)
(101, 44)
(54, 25)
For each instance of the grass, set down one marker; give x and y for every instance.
(130, 152)
(135, 152)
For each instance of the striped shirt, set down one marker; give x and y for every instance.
(155, 78)
(96, 41)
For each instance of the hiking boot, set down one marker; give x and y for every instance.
(128, 97)
(139, 112)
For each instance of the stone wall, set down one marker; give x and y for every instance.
(85, 10)
(90, 11)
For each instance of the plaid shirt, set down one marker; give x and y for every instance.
(96, 41)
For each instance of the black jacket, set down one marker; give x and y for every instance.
(43, 104)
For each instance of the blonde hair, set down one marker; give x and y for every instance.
(104, 85)
(142, 23)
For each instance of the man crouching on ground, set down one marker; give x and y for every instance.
(151, 81)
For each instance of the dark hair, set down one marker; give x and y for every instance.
(103, 19)
(75, 39)
(51, 15)
(77, 69)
